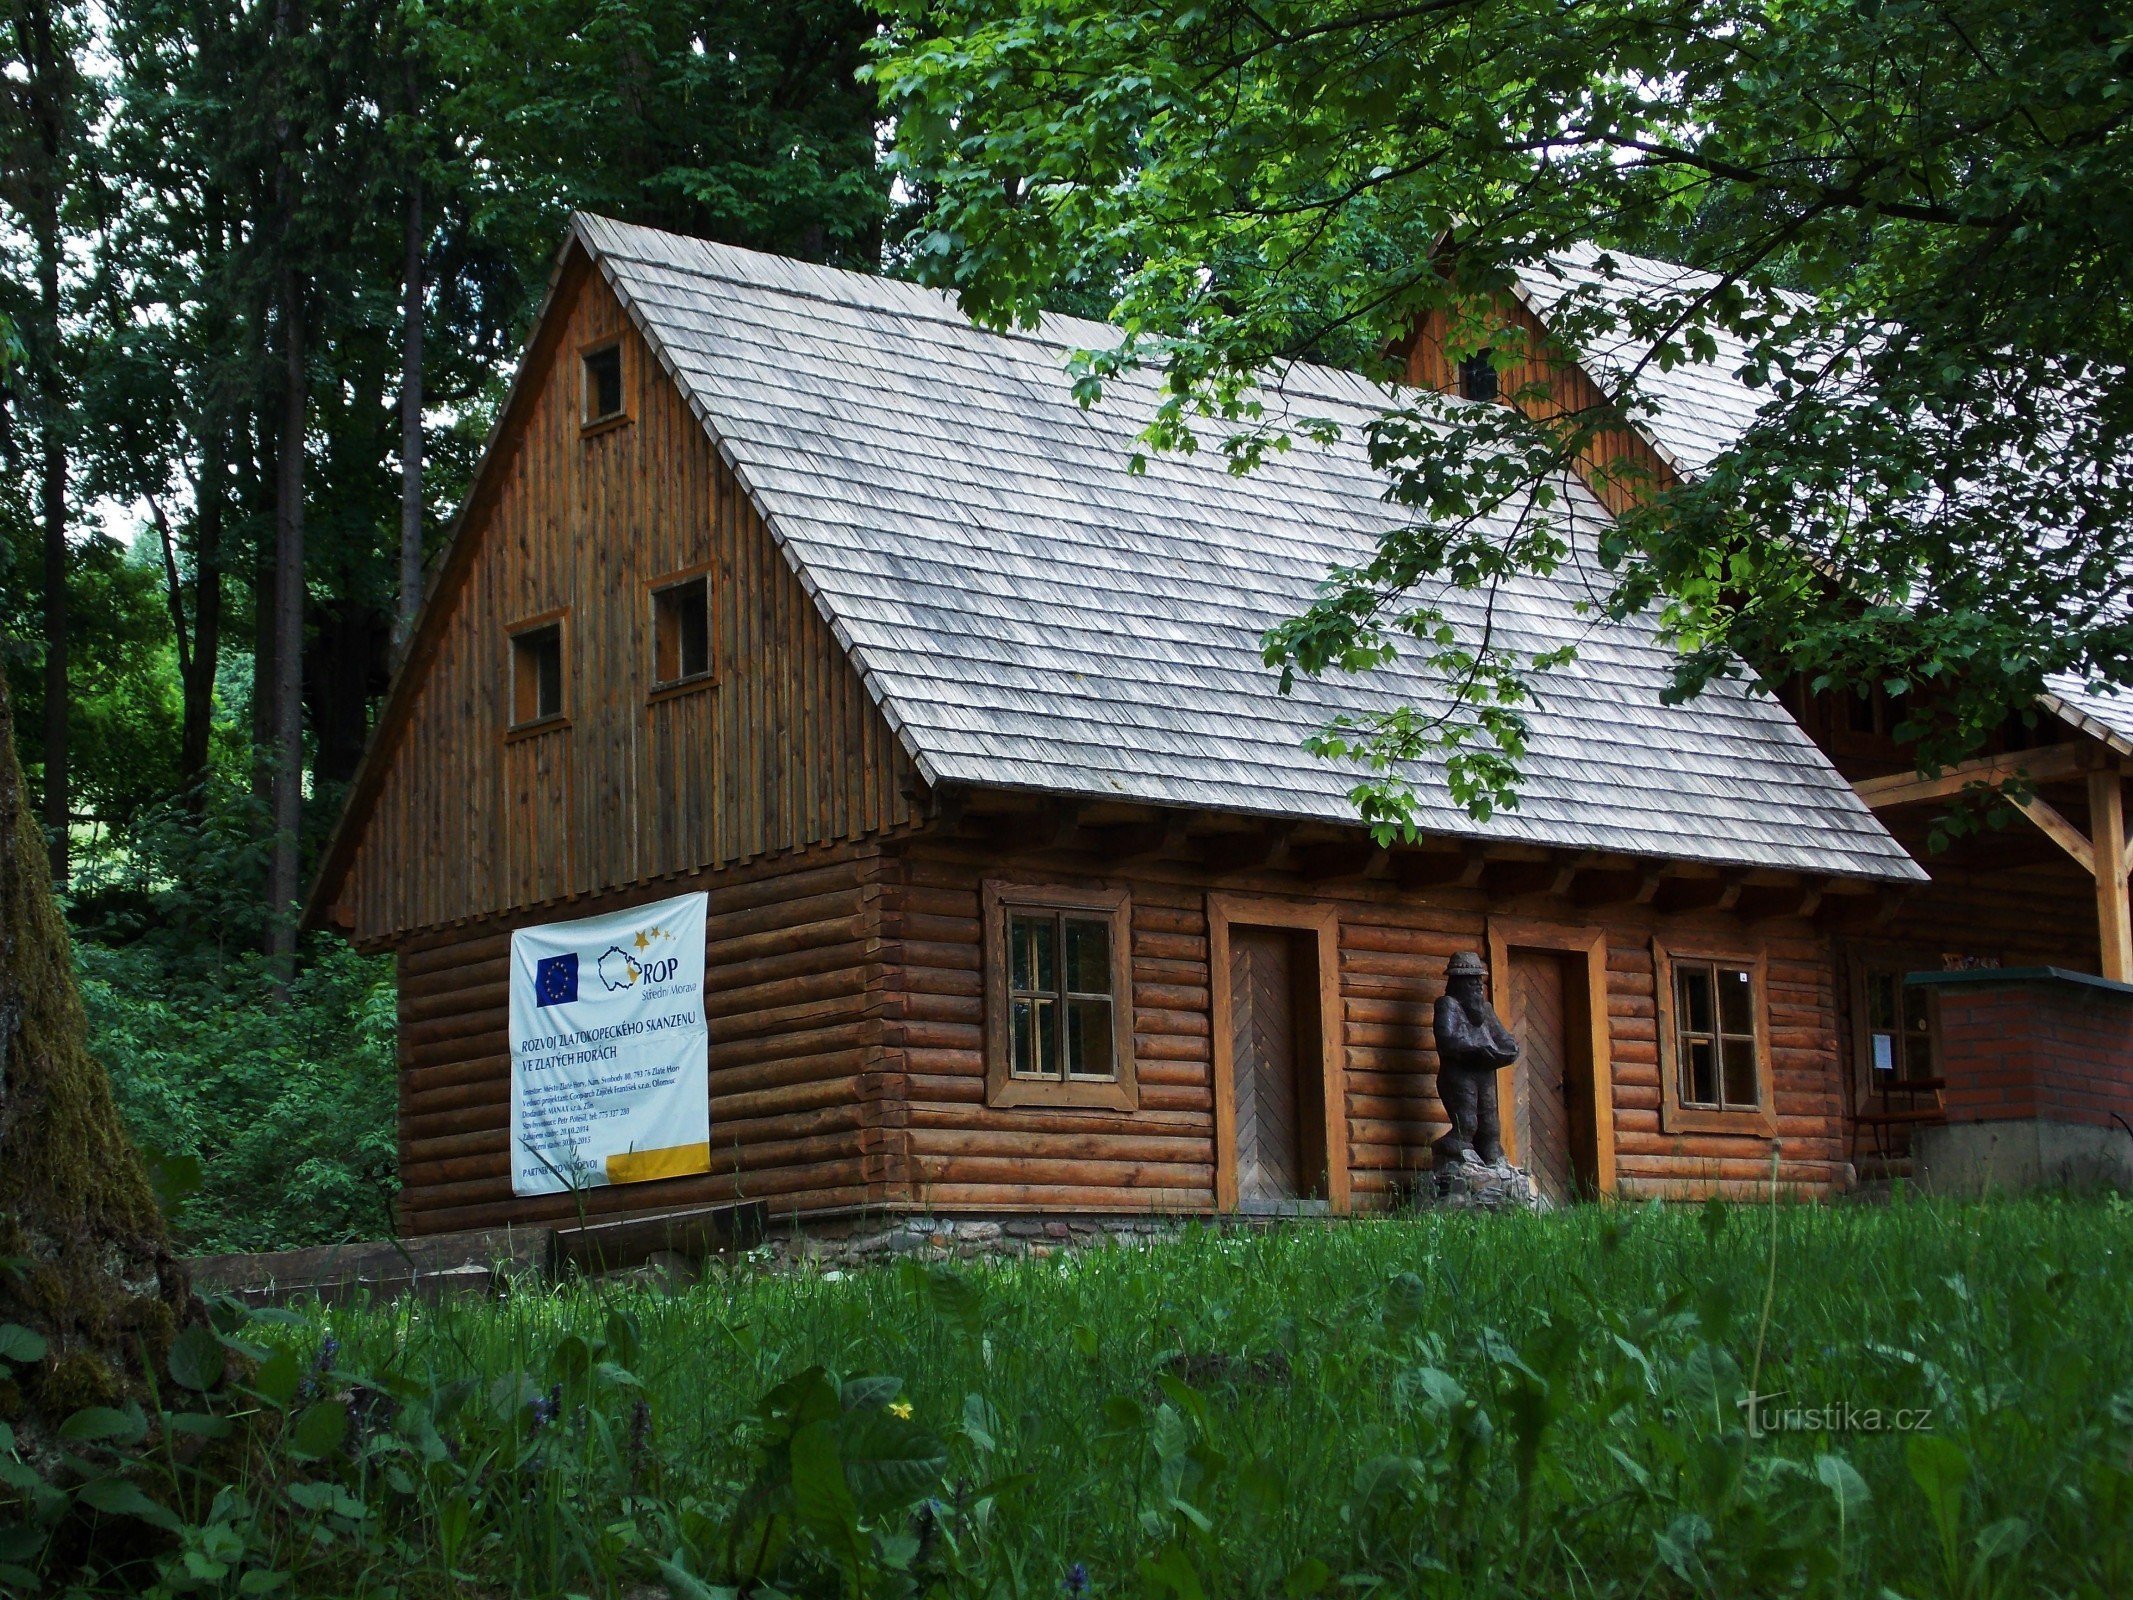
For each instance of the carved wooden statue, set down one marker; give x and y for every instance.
(1472, 1045)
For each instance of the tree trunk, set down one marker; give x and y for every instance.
(198, 724)
(411, 424)
(285, 857)
(57, 697)
(84, 1260)
(284, 861)
(45, 96)
(266, 459)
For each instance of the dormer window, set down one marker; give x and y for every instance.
(604, 397)
(1477, 377)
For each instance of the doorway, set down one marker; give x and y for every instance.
(1280, 1119)
(1549, 984)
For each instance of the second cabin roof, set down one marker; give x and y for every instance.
(1029, 613)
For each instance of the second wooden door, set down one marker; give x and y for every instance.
(1546, 1091)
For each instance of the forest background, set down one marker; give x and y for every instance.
(267, 269)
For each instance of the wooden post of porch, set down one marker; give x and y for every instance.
(2107, 837)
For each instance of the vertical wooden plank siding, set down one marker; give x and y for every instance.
(783, 751)
(1619, 465)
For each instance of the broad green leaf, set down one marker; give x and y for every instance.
(822, 1500)
(97, 1424)
(116, 1497)
(319, 1429)
(275, 1379)
(1845, 1485)
(1406, 1297)
(891, 1463)
(197, 1359)
(20, 1345)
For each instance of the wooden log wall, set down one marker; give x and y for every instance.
(454, 819)
(948, 1149)
(794, 1025)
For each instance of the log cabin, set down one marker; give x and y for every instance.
(2041, 904)
(790, 586)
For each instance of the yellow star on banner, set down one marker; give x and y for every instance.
(643, 942)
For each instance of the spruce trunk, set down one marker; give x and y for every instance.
(84, 1258)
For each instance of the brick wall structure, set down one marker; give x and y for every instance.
(2039, 1069)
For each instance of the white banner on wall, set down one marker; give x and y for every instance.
(610, 1057)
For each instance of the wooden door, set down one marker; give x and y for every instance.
(1263, 1023)
(1539, 1003)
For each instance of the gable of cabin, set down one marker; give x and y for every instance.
(467, 808)
(1617, 463)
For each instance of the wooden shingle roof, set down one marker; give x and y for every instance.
(1696, 410)
(1031, 614)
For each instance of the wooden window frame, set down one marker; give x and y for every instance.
(1225, 911)
(1674, 1117)
(1001, 897)
(559, 619)
(588, 424)
(1506, 934)
(669, 688)
(1864, 962)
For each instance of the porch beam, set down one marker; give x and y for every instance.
(2060, 831)
(2042, 765)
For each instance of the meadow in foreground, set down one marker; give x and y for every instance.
(1440, 1406)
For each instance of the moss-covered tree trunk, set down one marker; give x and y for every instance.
(84, 1259)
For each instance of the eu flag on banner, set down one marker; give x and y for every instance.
(555, 979)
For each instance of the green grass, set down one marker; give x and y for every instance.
(1444, 1406)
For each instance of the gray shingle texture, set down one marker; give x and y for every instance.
(1031, 614)
(1700, 409)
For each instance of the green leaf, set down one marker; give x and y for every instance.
(20, 1345)
(275, 1379)
(199, 1424)
(260, 1581)
(891, 1463)
(115, 1497)
(175, 1178)
(319, 1430)
(869, 1393)
(683, 1584)
(1406, 1297)
(197, 1360)
(95, 1424)
(1940, 1469)
(1845, 1485)
(822, 1499)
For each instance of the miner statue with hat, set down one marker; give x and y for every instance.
(1472, 1045)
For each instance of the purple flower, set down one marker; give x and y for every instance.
(546, 1408)
(1077, 1580)
(329, 1351)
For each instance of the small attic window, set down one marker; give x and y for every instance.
(537, 675)
(603, 383)
(1477, 377)
(681, 631)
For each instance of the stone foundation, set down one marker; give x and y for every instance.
(872, 1241)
